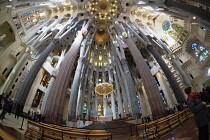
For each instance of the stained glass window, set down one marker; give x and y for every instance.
(202, 48)
(206, 52)
(177, 28)
(173, 34)
(196, 54)
(200, 51)
(194, 45)
(165, 25)
(201, 58)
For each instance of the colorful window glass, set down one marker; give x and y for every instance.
(173, 35)
(202, 48)
(194, 45)
(200, 51)
(165, 25)
(177, 28)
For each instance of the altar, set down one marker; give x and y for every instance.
(104, 119)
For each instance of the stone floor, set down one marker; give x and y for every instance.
(187, 131)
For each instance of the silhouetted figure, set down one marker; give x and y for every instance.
(31, 115)
(43, 117)
(10, 106)
(39, 117)
(120, 115)
(34, 117)
(1, 97)
(203, 96)
(147, 118)
(180, 107)
(28, 115)
(17, 112)
(5, 107)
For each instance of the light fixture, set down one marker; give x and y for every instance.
(8, 6)
(84, 32)
(104, 89)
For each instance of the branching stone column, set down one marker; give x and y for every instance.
(90, 80)
(165, 48)
(172, 81)
(29, 79)
(112, 94)
(174, 85)
(117, 90)
(35, 42)
(83, 86)
(47, 93)
(75, 85)
(120, 74)
(54, 108)
(104, 96)
(125, 93)
(151, 88)
(96, 97)
(125, 89)
(51, 83)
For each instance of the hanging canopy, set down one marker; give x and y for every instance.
(104, 89)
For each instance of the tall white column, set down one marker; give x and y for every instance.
(89, 94)
(117, 90)
(112, 94)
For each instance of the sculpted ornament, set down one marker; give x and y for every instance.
(124, 35)
(84, 32)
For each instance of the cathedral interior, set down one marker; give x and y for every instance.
(89, 59)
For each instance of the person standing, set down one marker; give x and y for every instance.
(1, 97)
(198, 108)
(10, 106)
(5, 107)
(120, 115)
(17, 111)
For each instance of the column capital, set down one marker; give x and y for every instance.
(55, 40)
(149, 47)
(123, 61)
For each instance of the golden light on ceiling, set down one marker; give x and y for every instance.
(101, 35)
(104, 89)
(104, 8)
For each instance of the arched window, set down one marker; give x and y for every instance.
(200, 51)
(166, 25)
(173, 30)
(177, 27)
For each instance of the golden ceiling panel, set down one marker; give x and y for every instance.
(104, 89)
(101, 35)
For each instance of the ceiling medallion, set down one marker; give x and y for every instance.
(124, 35)
(84, 32)
(104, 89)
(104, 8)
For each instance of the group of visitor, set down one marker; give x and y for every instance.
(35, 116)
(6, 105)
